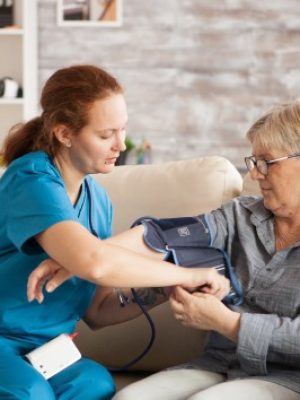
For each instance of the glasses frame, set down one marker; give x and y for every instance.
(264, 164)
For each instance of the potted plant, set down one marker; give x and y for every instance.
(129, 146)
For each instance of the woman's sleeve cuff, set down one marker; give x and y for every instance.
(255, 336)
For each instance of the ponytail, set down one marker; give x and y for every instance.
(21, 139)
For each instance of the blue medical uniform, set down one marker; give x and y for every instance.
(33, 197)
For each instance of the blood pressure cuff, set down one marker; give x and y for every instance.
(186, 241)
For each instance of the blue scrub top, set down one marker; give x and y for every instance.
(33, 197)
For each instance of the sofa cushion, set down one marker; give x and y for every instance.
(179, 188)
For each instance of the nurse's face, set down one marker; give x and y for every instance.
(96, 148)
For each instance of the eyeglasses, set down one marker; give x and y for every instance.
(262, 165)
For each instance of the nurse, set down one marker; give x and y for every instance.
(52, 209)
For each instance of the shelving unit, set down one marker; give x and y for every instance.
(18, 53)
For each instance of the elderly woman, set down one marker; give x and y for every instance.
(254, 349)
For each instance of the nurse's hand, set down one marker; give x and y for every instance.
(49, 275)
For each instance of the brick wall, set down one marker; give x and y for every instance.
(197, 73)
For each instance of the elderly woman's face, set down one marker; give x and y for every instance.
(280, 188)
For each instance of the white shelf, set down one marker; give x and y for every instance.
(11, 31)
(5, 101)
(18, 49)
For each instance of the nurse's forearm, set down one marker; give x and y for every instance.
(108, 264)
(105, 263)
(106, 308)
(118, 267)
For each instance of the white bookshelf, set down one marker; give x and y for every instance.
(18, 54)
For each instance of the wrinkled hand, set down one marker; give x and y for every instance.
(48, 274)
(208, 280)
(203, 311)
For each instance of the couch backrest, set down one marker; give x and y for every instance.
(250, 187)
(179, 188)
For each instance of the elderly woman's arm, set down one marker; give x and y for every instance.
(265, 337)
(260, 338)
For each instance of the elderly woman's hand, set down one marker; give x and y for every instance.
(204, 311)
(48, 274)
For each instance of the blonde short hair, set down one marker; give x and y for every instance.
(278, 129)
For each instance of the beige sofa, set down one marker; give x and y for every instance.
(180, 188)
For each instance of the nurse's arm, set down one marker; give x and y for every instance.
(51, 275)
(123, 261)
(106, 308)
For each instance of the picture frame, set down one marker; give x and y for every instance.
(90, 13)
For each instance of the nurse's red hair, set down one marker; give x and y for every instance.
(66, 99)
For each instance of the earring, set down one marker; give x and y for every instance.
(67, 144)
